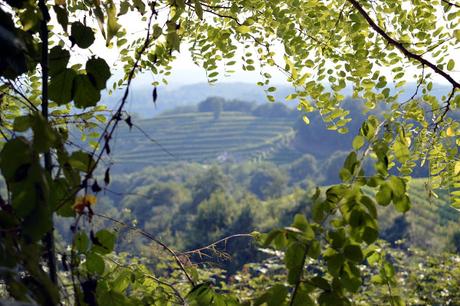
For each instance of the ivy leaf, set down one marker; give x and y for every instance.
(86, 94)
(301, 223)
(81, 242)
(15, 153)
(140, 6)
(95, 263)
(274, 296)
(354, 253)
(334, 264)
(369, 234)
(98, 72)
(22, 123)
(293, 258)
(62, 16)
(104, 242)
(81, 161)
(61, 85)
(58, 60)
(81, 35)
(59, 198)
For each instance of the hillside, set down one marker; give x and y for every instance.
(199, 137)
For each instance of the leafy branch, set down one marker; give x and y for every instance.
(401, 47)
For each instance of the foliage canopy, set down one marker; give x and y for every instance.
(51, 80)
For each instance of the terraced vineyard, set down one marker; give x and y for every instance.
(431, 220)
(199, 137)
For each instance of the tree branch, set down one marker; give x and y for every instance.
(451, 3)
(401, 47)
(48, 240)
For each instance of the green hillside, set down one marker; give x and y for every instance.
(199, 137)
(431, 221)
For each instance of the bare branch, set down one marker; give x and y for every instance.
(214, 244)
(152, 238)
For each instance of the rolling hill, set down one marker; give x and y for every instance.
(199, 137)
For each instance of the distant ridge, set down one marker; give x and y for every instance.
(140, 99)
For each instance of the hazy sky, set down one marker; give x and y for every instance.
(185, 72)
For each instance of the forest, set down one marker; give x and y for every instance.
(335, 180)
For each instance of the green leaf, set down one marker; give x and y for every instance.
(98, 72)
(139, 5)
(314, 250)
(354, 253)
(301, 223)
(44, 135)
(112, 22)
(243, 29)
(15, 154)
(274, 296)
(293, 258)
(122, 282)
(60, 86)
(351, 278)
(95, 263)
(302, 297)
(330, 298)
(401, 150)
(358, 142)
(198, 9)
(369, 234)
(81, 242)
(320, 283)
(104, 242)
(82, 35)
(81, 161)
(398, 186)
(37, 223)
(60, 199)
(271, 236)
(58, 60)
(86, 94)
(451, 65)
(402, 204)
(334, 264)
(22, 123)
(384, 195)
(62, 16)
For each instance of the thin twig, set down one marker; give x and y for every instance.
(154, 239)
(214, 244)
